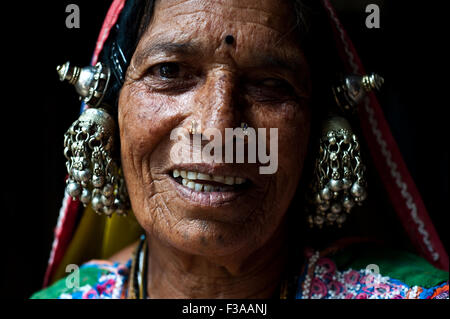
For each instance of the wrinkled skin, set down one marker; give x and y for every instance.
(232, 249)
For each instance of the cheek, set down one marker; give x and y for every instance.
(144, 121)
(293, 123)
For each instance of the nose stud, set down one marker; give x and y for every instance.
(193, 129)
(244, 127)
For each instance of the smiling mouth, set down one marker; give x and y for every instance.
(200, 182)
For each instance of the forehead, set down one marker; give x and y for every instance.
(258, 23)
(269, 13)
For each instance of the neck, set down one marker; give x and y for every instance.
(175, 274)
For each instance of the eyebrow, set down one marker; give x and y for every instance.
(193, 49)
(277, 62)
(187, 48)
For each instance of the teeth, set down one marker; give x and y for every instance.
(188, 178)
(219, 179)
(204, 177)
(229, 180)
(191, 185)
(191, 175)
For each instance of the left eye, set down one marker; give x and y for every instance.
(169, 70)
(272, 82)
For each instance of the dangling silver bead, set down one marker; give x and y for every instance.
(336, 208)
(356, 190)
(363, 195)
(73, 189)
(331, 217)
(348, 204)
(85, 196)
(97, 204)
(107, 201)
(335, 185)
(324, 206)
(76, 174)
(98, 181)
(332, 140)
(317, 199)
(325, 193)
(346, 183)
(318, 220)
(107, 210)
(108, 190)
(84, 175)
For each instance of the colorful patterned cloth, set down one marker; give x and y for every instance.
(99, 279)
(387, 275)
(322, 280)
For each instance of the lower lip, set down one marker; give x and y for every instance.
(207, 199)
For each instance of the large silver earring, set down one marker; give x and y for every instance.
(94, 177)
(339, 174)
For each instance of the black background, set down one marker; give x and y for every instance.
(408, 50)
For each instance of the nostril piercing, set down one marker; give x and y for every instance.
(244, 127)
(193, 129)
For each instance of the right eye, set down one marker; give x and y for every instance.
(168, 70)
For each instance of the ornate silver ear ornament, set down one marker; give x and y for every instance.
(90, 82)
(339, 174)
(94, 177)
(353, 88)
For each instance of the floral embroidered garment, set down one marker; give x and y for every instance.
(357, 273)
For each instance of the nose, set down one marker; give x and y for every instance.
(217, 102)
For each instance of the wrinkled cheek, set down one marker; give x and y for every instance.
(145, 122)
(140, 131)
(293, 139)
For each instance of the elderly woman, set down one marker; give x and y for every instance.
(228, 228)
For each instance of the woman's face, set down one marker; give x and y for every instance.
(182, 71)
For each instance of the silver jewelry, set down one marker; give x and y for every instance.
(339, 175)
(94, 177)
(353, 88)
(244, 127)
(90, 82)
(193, 129)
